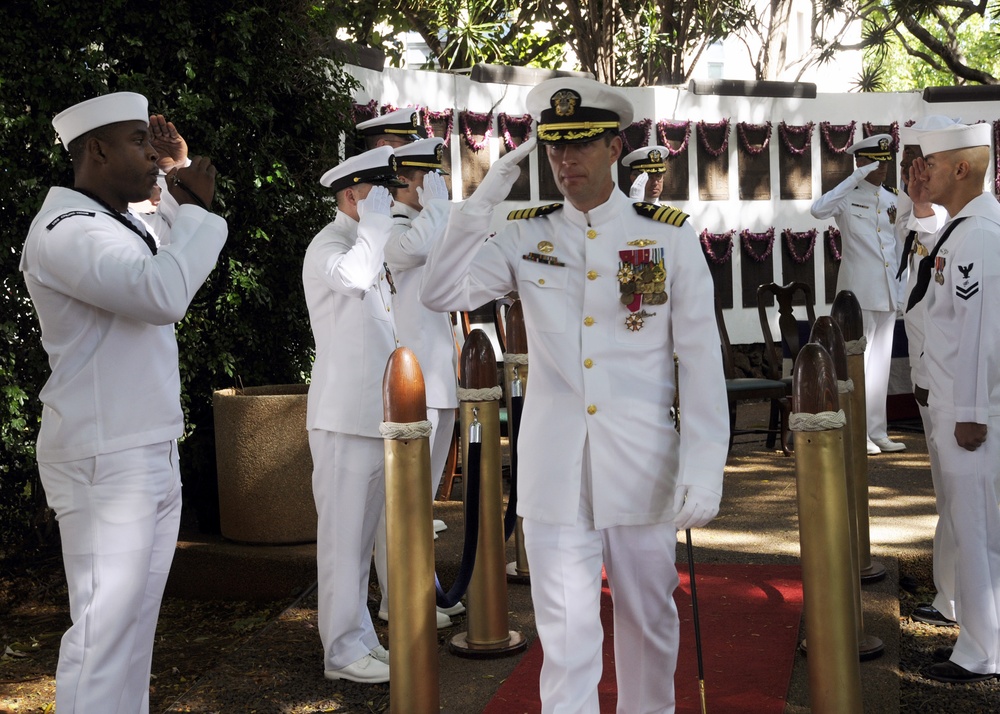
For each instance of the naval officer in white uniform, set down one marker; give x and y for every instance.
(611, 290)
(960, 282)
(348, 291)
(647, 167)
(865, 212)
(107, 293)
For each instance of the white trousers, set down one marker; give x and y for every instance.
(349, 490)
(566, 594)
(442, 426)
(118, 515)
(970, 482)
(943, 559)
(879, 326)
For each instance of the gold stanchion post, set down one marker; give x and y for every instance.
(516, 382)
(410, 541)
(827, 562)
(846, 312)
(488, 634)
(826, 333)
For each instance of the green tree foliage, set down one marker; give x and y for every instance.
(248, 84)
(910, 44)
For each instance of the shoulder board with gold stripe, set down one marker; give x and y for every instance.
(663, 214)
(891, 189)
(534, 212)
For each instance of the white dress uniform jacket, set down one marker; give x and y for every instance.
(865, 215)
(962, 342)
(597, 386)
(429, 334)
(115, 383)
(354, 337)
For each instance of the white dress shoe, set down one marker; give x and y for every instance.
(457, 609)
(885, 444)
(443, 620)
(381, 654)
(873, 449)
(439, 525)
(367, 669)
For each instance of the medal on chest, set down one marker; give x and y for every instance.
(892, 214)
(939, 263)
(642, 279)
(388, 278)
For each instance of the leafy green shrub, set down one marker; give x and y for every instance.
(249, 84)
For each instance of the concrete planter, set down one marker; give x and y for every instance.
(264, 464)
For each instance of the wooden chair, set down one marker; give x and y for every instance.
(751, 388)
(790, 335)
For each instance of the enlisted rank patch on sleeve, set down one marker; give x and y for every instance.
(534, 212)
(55, 221)
(663, 214)
(965, 290)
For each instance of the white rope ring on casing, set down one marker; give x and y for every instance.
(822, 421)
(487, 394)
(404, 431)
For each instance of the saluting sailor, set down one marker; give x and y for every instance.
(960, 282)
(611, 289)
(865, 212)
(348, 293)
(107, 295)
(647, 167)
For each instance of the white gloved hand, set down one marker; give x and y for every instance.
(498, 181)
(637, 191)
(377, 202)
(694, 506)
(434, 188)
(861, 173)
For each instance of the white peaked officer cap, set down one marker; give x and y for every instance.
(100, 111)
(402, 122)
(426, 154)
(377, 167)
(877, 147)
(933, 122)
(651, 159)
(957, 136)
(573, 110)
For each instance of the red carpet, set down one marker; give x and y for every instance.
(749, 616)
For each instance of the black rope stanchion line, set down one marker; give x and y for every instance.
(469, 545)
(514, 425)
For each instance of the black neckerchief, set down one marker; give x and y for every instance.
(146, 238)
(925, 266)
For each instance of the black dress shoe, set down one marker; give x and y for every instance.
(942, 654)
(930, 615)
(952, 673)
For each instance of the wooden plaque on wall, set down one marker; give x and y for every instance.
(441, 124)
(475, 163)
(795, 169)
(754, 169)
(798, 268)
(720, 266)
(713, 171)
(755, 272)
(547, 189)
(675, 136)
(835, 163)
(518, 129)
(831, 262)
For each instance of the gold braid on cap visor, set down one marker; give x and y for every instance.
(565, 131)
(650, 168)
(419, 164)
(875, 155)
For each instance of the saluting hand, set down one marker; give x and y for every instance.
(171, 149)
(193, 184)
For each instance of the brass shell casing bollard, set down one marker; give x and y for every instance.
(828, 566)
(517, 344)
(488, 634)
(827, 334)
(846, 312)
(410, 544)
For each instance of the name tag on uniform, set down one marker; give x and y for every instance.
(544, 259)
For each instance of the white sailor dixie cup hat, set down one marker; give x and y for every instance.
(877, 147)
(650, 159)
(100, 111)
(377, 167)
(426, 154)
(573, 110)
(957, 136)
(931, 122)
(402, 122)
